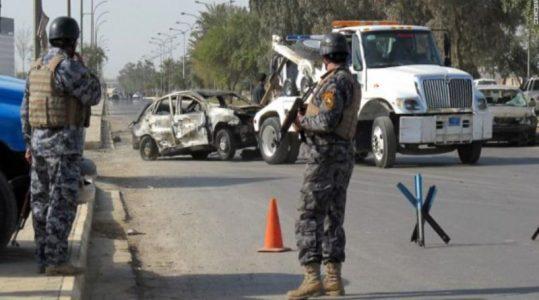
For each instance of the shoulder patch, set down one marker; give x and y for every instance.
(329, 99)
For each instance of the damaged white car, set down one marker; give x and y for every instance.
(196, 123)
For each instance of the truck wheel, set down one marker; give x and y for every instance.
(267, 140)
(470, 154)
(200, 155)
(383, 142)
(8, 212)
(226, 144)
(148, 149)
(293, 151)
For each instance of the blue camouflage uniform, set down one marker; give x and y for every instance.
(56, 158)
(330, 161)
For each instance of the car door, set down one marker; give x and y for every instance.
(160, 123)
(189, 122)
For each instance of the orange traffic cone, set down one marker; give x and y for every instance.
(273, 241)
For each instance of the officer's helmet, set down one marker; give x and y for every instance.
(64, 28)
(334, 43)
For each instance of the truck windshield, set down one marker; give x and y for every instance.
(399, 48)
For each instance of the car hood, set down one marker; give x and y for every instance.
(250, 110)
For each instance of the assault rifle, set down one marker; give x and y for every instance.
(297, 107)
(18, 183)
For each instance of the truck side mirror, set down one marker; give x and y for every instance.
(447, 50)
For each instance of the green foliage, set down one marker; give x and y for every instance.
(94, 57)
(232, 44)
(228, 47)
(143, 77)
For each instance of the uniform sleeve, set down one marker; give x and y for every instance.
(74, 79)
(25, 119)
(331, 111)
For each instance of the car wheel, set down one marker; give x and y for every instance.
(271, 152)
(200, 155)
(470, 154)
(8, 212)
(383, 142)
(148, 149)
(225, 144)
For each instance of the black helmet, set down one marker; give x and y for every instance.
(64, 28)
(334, 43)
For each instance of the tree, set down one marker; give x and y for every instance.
(228, 47)
(94, 57)
(23, 44)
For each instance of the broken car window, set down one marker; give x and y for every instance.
(163, 108)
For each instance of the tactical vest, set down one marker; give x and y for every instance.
(346, 128)
(47, 107)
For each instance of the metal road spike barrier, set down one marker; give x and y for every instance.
(534, 236)
(273, 240)
(423, 211)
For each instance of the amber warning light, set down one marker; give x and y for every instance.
(351, 23)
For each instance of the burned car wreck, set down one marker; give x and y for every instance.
(195, 122)
(514, 116)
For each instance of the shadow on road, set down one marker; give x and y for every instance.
(18, 261)
(458, 245)
(468, 294)
(217, 286)
(175, 182)
(415, 162)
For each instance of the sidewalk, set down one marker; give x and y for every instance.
(18, 269)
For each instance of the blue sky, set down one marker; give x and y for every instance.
(128, 27)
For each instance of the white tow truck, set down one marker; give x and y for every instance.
(412, 101)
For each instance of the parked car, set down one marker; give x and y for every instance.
(484, 81)
(515, 120)
(195, 122)
(531, 91)
(14, 170)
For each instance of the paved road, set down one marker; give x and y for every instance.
(204, 220)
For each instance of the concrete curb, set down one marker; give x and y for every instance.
(94, 139)
(72, 286)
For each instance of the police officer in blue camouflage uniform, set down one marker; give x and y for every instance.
(59, 93)
(329, 125)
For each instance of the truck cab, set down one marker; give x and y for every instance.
(14, 170)
(412, 103)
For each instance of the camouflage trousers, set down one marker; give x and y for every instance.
(319, 230)
(54, 190)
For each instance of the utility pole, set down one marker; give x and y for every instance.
(69, 8)
(184, 51)
(529, 54)
(92, 26)
(81, 25)
(37, 19)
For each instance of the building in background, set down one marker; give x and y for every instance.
(7, 47)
